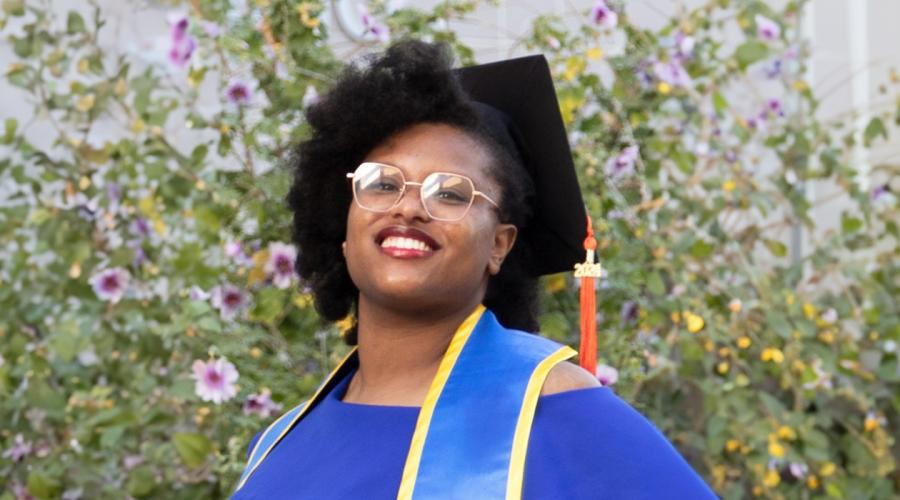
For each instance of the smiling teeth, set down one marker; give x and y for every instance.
(405, 243)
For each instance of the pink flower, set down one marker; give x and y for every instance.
(238, 92)
(379, 30)
(211, 29)
(603, 16)
(229, 300)
(19, 450)
(622, 164)
(672, 73)
(182, 44)
(110, 284)
(766, 28)
(261, 404)
(607, 375)
(280, 265)
(215, 380)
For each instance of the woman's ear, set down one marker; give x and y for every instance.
(504, 238)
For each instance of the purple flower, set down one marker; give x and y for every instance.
(622, 164)
(182, 44)
(140, 227)
(215, 380)
(238, 92)
(19, 450)
(261, 404)
(114, 192)
(280, 265)
(766, 28)
(110, 284)
(642, 73)
(197, 293)
(379, 30)
(773, 69)
(607, 375)
(774, 106)
(672, 73)
(628, 314)
(212, 30)
(229, 300)
(235, 251)
(879, 192)
(798, 470)
(603, 16)
(684, 46)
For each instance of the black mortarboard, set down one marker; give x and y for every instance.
(517, 101)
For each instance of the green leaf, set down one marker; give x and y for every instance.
(850, 224)
(43, 486)
(701, 249)
(874, 129)
(14, 7)
(777, 248)
(75, 23)
(720, 104)
(655, 283)
(193, 448)
(749, 52)
(141, 481)
(10, 126)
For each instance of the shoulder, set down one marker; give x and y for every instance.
(567, 376)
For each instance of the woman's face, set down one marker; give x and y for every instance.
(450, 262)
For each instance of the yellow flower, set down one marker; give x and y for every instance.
(75, 270)
(595, 53)
(85, 103)
(256, 353)
(729, 186)
(785, 432)
(574, 66)
(772, 478)
(676, 317)
(827, 469)
(809, 310)
(732, 445)
(664, 88)
(84, 183)
(744, 342)
(812, 482)
(556, 283)
(800, 85)
(798, 366)
(871, 423)
(724, 352)
(346, 323)
(694, 322)
(776, 449)
(772, 354)
(83, 66)
(827, 336)
(757, 490)
(708, 345)
(138, 126)
(722, 367)
(790, 299)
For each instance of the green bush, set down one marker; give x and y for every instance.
(142, 239)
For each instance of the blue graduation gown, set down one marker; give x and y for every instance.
(584, 444)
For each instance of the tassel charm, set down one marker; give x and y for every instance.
(588, 271)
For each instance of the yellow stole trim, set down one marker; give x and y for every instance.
(417, 444)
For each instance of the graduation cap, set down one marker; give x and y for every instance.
(516, 100)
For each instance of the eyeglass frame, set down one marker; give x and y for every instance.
(475, 192)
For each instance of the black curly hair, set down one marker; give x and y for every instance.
(409, 83)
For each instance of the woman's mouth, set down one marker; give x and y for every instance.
(405, 243)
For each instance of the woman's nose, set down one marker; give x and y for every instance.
(410, 206)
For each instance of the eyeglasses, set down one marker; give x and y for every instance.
(378, 187)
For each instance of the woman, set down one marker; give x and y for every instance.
(427, 201)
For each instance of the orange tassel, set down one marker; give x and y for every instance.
(588, 271)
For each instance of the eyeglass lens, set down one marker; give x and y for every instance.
(445, 196)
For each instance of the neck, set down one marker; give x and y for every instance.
(400, 352)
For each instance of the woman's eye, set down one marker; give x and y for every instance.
(385, 186)
(448, 196)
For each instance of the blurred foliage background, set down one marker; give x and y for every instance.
(150, 326)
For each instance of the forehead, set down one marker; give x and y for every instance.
(432, 147)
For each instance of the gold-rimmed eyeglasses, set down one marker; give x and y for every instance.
(446, 196)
